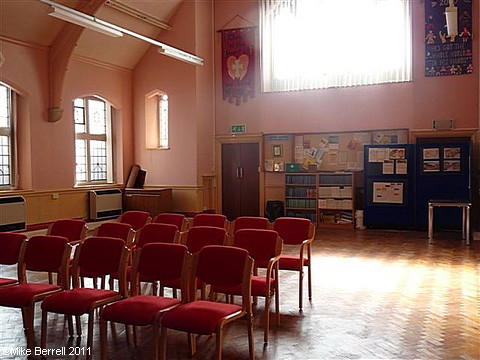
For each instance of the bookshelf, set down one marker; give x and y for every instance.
(336, 199)
(327, 199)
(301, 195)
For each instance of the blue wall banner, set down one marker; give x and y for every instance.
(445, 54)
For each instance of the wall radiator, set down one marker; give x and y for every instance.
(12, 213)
(105, 204)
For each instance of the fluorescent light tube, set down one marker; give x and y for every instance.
(85, 21)
(91, 22)
(180, 55)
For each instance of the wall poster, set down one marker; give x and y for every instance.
(444, 54)
(386, 192)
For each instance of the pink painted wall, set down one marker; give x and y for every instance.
(409, 105)
(190, 101)
(46, 150)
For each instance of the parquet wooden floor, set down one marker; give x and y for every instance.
(377, 295)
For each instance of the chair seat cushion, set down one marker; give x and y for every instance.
(198, 317)
(292, 263)
(137, 310)
(21, 295)
(77, 301)
(5, 281)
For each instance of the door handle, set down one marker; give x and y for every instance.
(238, 173)
(241, 172)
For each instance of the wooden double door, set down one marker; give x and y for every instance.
(240, 180)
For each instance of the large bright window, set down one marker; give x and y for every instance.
(317, 44)
(7, 143)
(93, 141)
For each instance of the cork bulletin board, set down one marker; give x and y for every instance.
(341, 151)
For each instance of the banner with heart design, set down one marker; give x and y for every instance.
(238, 60)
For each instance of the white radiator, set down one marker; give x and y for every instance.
(105, 204)
(12, 213)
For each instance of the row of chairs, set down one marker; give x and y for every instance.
(249, 239)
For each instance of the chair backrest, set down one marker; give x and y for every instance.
(136, 218)
(217, 220)
(262, 245)
(294, 230)
(250, 222)
(223, 266)
(171, 218)
(199, 236)
(157, 233)
(10, 244)
(160, 262)
(45, 253)
(99, 256)
(72, 229)
(116, 229)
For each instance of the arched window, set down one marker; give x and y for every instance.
(7, 137)
(93, 140)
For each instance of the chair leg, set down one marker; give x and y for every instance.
(218, 347)
(103, 338)
(192, 343)
(163, 343)
(267, 318)
(300, 290)
(29, 316)
(78, 325)
(156, 332)
(251, 341)
(90, 334)
(309, 281)
(43, 336)
(127, 334)
(70, 324)
(135, 336)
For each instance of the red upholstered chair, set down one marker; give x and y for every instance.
(195, 239)
(10, 244)
(74, 230)
(216, 266)
(41, 253)
(157, 233)
(116, 229)
(100, 256)
(265, 247)
(300, 233)
(172, 218)
(157, 262)
(152, 233)
(250, 222)
(216, 220)
(136, 218)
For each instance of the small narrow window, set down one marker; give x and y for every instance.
(7, 143)
(93, 143)
(156, 120)
(163, 120)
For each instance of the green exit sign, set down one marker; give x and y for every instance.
(238, 129)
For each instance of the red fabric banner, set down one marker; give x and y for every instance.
(238, 64)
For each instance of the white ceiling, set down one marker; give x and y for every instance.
(28, 21)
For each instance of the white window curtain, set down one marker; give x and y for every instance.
(317, 44)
